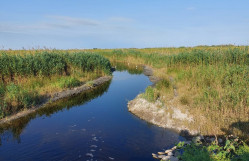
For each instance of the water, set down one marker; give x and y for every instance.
(92, 126)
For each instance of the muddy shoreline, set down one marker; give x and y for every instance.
(159, 114)
(57, 96)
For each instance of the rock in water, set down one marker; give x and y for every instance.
(170, 153)
(161, 153)
(154, 156)
(170, 158)
(161, 156)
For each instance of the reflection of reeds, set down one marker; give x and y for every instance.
(131, 68)
(27, 75)
(16, 127)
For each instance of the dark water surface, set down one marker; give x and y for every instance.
(92, 126)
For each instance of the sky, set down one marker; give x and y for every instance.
(83, 24)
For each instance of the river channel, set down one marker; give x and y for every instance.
(91, 126)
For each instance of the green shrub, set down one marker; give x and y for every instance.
(195, 153)
(235, 150)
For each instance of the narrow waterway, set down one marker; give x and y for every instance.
(92, 126)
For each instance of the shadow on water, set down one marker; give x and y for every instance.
(16, 127)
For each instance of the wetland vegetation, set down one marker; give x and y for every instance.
(211, 82)
(28, 76)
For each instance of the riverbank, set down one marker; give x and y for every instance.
(197, 146)
(57, 96)
(161, 115)
(207, 148)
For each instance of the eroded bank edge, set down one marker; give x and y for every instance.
(57, 96)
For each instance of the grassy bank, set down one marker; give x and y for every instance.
(211, 82)
(28, 77)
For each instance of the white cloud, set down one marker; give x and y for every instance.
(74, 21)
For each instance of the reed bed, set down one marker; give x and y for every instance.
(26, 76)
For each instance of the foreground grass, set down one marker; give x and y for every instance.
(28, 77)
(231, 150)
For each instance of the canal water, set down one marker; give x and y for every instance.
(91, 126)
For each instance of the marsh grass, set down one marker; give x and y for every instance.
(211, 80)
(27, 76)
(150, 94)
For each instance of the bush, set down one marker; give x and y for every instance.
(234, 149)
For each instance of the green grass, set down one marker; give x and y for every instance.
(150, 94)
(16, 98)
(69, 82)
(26, 76)
(49, 63)
(231, 151)
(212, 81)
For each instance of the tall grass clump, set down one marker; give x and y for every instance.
(150, 94)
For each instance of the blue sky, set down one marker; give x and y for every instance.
(66, 24)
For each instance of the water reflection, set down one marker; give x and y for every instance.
(130, 68)
(79, 129)
(15, 128)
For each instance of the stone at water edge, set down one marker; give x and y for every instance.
(174, 148)
(167, 151)
(154, 156)
(170, 154)
(170, 158)
(161, 153)
(161, 156)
